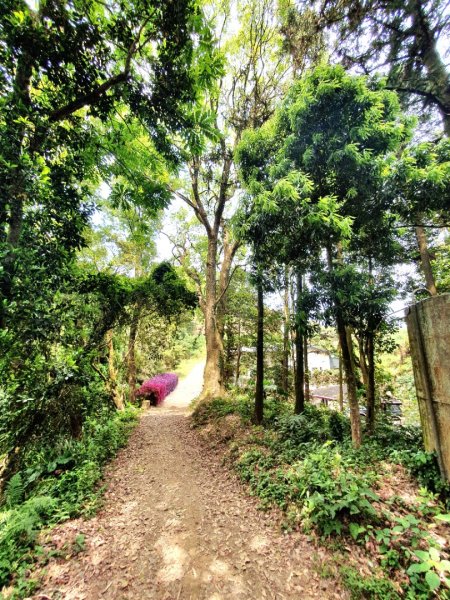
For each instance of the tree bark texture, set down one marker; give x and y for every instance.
(286, 336)
(350, 379)
(213, 386)
(425, 261)
(348, 365)
(341, 382)
(112, 372)
(238, 356)
(370, 352)
(300, 371)
(259, 391)
(305, 359)
(131, 356)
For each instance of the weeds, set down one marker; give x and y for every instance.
(306, 465)
(53, 489)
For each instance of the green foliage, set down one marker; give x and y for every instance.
(219, 407)
(432, 567)
(306, 465)
(14, 490)
(367, 588)
(313, 425)
(56, 487)
(331, 490)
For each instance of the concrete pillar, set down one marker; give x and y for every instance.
(428, 325)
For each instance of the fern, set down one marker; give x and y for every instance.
(15, 490)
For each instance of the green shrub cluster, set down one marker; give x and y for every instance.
(306, 465)
(55, 487)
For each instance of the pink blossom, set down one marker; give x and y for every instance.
(159, 386)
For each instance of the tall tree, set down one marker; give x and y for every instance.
(404, 40)
(244, 97)
(329, 143)
(63, 65)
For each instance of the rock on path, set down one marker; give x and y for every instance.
(177, 525)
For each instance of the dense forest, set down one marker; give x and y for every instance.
(244, 182)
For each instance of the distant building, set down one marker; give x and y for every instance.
(321, 359)
(318, 358)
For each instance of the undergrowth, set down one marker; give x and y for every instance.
(306, 465)
(53, 486)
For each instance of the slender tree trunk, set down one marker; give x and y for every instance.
(363, 362)
(348, 364)
(300, 371)
(213, 374)
(132, 353)
(341, 382)
(259, 392)
(238, 356)
(305, 357)
(292, 330)
(370, 351)
(355, 418)
(112, 372)
(425, 260)
(286, 336)
(228, 336)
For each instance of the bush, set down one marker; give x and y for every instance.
(332, 493)
(158, 387)
(54, 488)
(313, 425)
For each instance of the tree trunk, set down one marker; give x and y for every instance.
(259, 391)
(300, 371)
(305, 357)
(348, 364)
(363, 362)
(341, 383)
(286, 336)
(370, 352)
(132, 353)
(213, 374)
(112, 372)
(425, 260)
(238, 356)
(350, 378)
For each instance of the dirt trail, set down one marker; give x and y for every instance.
(177, 525)
(188, 388)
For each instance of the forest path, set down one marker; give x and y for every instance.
(176, 524)
(188, 388)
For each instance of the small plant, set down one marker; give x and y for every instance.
(430, 565)
(367, 588)
(14, 491)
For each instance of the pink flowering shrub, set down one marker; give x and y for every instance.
(159, 386)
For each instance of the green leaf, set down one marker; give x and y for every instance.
(444, 565)
(445, 518)
(422, 554)
(434, 554)
(433, 580)
(355, 530)
(418, 568)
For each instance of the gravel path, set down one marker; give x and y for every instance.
(176, 524)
